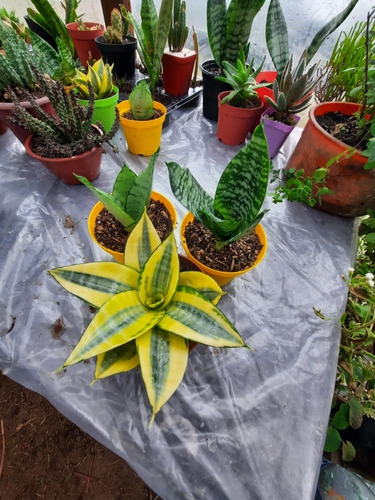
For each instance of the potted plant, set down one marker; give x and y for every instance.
(142, 120)
(83, 35)
(114, 216)
(148, 313)
(228, 30)
(118, 47)
(222, 235)
(99, 76)
(178, 62)
(16, 73)
(239, 109)
(66, 142)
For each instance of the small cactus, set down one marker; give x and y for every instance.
(178, 32)
(118, 28)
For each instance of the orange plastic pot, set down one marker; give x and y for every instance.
(119, 256)
(84, 41)
(353, 186)
(86, 164)
(177, 70)
(222, 277)
(234, 124)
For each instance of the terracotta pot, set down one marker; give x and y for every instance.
(234, 123)
(222, 277)
(86, 164)
(119, 256)
(3, 128)
(121, 55)
(84, 41)
(104, 109)
(276, 132)
(211, 89)
(354, 187)
(143, 137)
(177, 70)
(266, 76)
(6, 109)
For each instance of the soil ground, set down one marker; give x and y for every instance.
(45, 456)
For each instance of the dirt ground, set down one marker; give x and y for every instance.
(45, 456)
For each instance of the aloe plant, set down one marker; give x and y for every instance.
(130, 194)
(141, 102)
(148, 312)
(152, 35)
(234, 212)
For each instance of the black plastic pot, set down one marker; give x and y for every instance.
(211, 89)
(121, 55)
(35, 28)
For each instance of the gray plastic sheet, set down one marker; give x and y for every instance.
(243, 424)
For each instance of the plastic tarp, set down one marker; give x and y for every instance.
(243, 424)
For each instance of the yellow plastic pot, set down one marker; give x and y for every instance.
(222, 277)
(143, 137)
(119, 256)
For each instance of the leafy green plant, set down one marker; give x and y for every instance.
(234, 212)
(98, 76)
(68, 132)
(178, 32)
(141, 102)
(148, 313)
(115, 33)
(152, 35)
(242, 79)
(67, 67)
(130, 194)
(11, 20)
(228, 29)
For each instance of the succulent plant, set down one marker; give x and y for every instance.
(178, 32)
(141, 102)
(11, 20)
(114, 33)
(99, 75)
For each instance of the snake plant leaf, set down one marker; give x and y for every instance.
(141, 103)
(277, 36)
(216, 26)
(246, 228)
(142, 241)
(149, 19)
(121, 319)
(143, 48)
(160, 40)
(194, 317)
(203, 283)
(121, 359)
(163, 359)
(96, 282)
(50, 63)
(159, 277)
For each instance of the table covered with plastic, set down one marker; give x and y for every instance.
(242, 424)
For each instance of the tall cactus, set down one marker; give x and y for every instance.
(118, 29)
(178, 32)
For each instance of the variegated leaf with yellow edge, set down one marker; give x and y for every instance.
(142, 241)
(120, 359)
(203, 284)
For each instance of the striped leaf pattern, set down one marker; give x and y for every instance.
(143, 48)
(96, 282)
(277, 36)
(120, 359)
(161, 37)
(143, 240)
(216, 27)
(163, 359)
(203, 283)
(149, 21)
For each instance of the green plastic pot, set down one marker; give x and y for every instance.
(104, 109)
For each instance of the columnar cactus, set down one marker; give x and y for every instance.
(118, 28)
(178, 32)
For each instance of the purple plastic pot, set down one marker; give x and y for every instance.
(276, 132)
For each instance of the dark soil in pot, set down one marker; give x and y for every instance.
(235, 256)
(111, 233)
(22, 94)
(344, 128)
(250, 103)
(158, 113)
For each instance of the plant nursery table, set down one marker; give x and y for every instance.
(243, 424)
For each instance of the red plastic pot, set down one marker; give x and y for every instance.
(86, 164)
(276, 132)
(84, 41)
(177, 70)
(266, 76)
(234, 124)
(354, 187)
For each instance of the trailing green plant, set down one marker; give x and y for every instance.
(152, 35)
(141, 102)
(11, 20)
(98, 76)
(234, 212)
(178, 32)
(228, 28)
(130, 194)
(16, 67)
(242, 79)
(69, 131)
(148, 313)
(118, 29)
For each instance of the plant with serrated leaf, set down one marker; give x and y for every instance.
(234, 212)
(11, 20)
(148, 313)
(130, 194)
(68, 132)
(178, 32)
(152, 35)
(118, 29)
(98, 76)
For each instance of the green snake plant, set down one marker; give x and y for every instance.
(234, 211)
(141, 102)
(148, 313)
(152, 35)
(130, 194)
(228, 29)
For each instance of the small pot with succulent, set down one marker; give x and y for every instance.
(83, 35)
(118, 47)
(148, 313)
(240, 108)
(106, 94)
(66, 142)
(222, 235)
(114, 216)
(142, 120)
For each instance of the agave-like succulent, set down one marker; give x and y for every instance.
(99, 75)
(148, 313)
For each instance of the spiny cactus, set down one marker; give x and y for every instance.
(178, 32)
(67, 133)
(117, 30)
